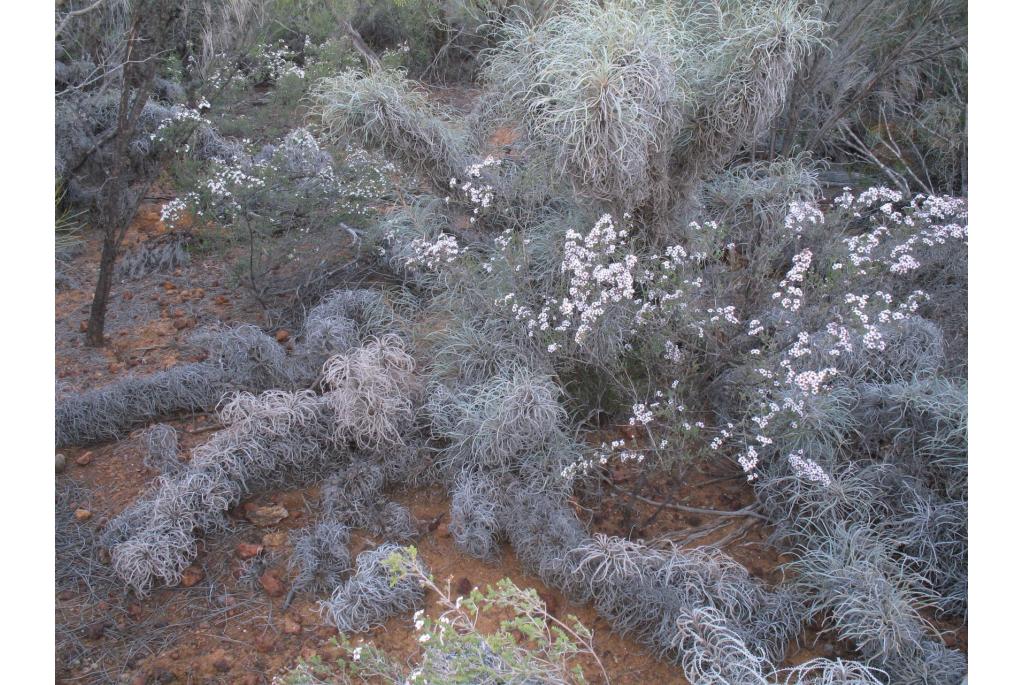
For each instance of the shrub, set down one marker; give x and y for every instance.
(456, 647)
(388, 112)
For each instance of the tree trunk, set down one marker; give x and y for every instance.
(98, 311)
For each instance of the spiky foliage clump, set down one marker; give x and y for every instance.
(638, 103)
(240, 358)
(388, 112)
(600, 91)
(498, 422)
(373, 593)
(320, 557)
(162, 254)
(475, 514)
(827, 672)
(371, 391)
(874, 601)
(161, 444)
(751, 50)
(713, 652)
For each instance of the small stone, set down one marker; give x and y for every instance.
(276, 539)
(282, 335)
(265, 516)
(248, 550)
(290, 627)
(271, 584)
(191, 575)
(84, 459)
(82, 514)
(62, 463)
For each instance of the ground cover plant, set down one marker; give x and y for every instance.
(581, 272)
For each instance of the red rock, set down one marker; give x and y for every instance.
(191, 575)
(84, 459)
(265, 516)
(248, 550)
(82, 514)
(282, 335)
(271, 584)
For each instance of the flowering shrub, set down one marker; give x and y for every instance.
(527, 644)
(273, 198)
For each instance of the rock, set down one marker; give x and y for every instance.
(282, 335)
(84, 459)
(82, 514)
(65, 595)
(265, 516)
(191, 575)
(62, 463)
(248, 550)
(276, 539)
(271, 584)
(290, 627)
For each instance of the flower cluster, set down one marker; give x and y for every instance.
(808, 468)
(432, 254)
(479, 195)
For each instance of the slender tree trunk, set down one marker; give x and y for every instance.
(98, 311)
